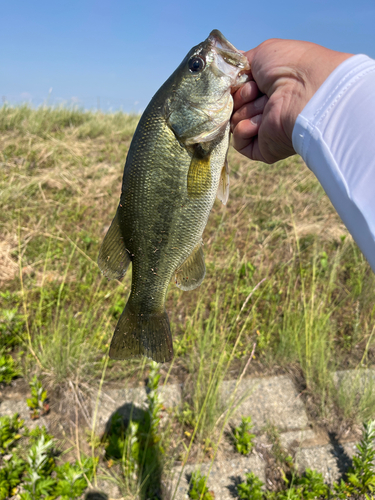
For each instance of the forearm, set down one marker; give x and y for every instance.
(335, 135)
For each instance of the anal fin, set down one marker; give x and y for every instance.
(223, 189)
(191, 274)
(114, 259)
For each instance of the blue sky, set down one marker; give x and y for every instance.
(122, 51)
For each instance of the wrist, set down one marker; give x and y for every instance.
(321, 63)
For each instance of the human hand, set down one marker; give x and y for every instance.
(285, 75)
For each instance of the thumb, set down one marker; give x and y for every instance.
(250, 54)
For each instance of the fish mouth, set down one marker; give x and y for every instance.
(228, 61)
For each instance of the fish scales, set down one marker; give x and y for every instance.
(172, 174)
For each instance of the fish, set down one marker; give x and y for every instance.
(175, 167)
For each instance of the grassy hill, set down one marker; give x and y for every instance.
(282, 273)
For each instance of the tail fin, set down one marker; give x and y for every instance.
(138, 334)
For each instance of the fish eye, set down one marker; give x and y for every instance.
(196, 64)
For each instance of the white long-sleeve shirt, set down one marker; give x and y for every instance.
(335, 135)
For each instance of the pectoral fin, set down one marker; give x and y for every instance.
(199, 174)
(209, 135)
(114, 259)
(191, 274)
(223, 189)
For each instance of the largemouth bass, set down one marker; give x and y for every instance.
(176, 166)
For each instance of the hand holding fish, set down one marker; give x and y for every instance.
(286, 74)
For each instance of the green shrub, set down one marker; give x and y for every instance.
(251, 488)
(10, 428)
(8, 370)
(198, 489)
(38, 482)
(360, 478)
(71, 480)
(33, 466)
(37, 403)
(243, 439)
(10, 476)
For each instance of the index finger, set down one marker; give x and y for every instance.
(248, 92)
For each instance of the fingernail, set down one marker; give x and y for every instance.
(255, 120)
(243, 92)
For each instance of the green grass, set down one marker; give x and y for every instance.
(282, 272)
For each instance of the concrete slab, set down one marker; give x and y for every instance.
(296, 438)
(331, 461)
(353, 383)
(104, 490)
(130, 403)
(272, 399)
(223, 478)
(10, 406)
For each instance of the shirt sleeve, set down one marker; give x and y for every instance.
(335, 135)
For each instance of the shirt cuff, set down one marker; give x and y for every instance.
(326, 97)
(334, 134)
